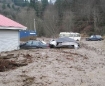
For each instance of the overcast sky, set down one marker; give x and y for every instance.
(52, 0)
(48, 0)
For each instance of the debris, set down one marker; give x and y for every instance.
(8, 56)
(6, 65)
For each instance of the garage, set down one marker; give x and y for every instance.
(9, 34)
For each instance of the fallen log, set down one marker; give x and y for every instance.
(18, 64)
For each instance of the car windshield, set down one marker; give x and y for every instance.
(92, 36)
(29, 43)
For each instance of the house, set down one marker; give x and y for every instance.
(9, 34)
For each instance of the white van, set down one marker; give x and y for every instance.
(73, 35)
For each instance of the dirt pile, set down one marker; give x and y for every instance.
(9, 61)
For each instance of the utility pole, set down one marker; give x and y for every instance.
(95, 20)
(34, 26)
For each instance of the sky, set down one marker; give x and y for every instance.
(52, 0)
(48, 0)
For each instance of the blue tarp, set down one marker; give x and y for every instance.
(26, 33)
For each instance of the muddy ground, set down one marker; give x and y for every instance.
(55, 67)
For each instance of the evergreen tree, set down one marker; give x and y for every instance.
(8, 5)
(59, 6)
(13, 7)
(44, 4)
(20, 2)
(3, 6)
(39, 7)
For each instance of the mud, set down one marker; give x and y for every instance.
(57, 67)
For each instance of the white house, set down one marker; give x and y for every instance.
(9, 34)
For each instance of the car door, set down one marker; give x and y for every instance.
(41, 45)
(94, 38)
(35, 44)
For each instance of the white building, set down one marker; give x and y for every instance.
(9, 34)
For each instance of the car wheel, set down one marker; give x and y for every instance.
(71, 46)
(76, 46)
(51, 46)
(99, 39)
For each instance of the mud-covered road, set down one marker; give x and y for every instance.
(58, 67)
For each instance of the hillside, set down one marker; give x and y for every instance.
(86, 17)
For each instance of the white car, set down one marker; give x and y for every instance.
(63, 42)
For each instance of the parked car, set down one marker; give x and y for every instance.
(63, 43)
(31, 44)
(94, 38)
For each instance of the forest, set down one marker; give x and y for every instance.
(84, 16)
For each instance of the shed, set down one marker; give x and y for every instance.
(26, 35)
(9, 34)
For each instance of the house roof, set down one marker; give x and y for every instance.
(6, 23)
